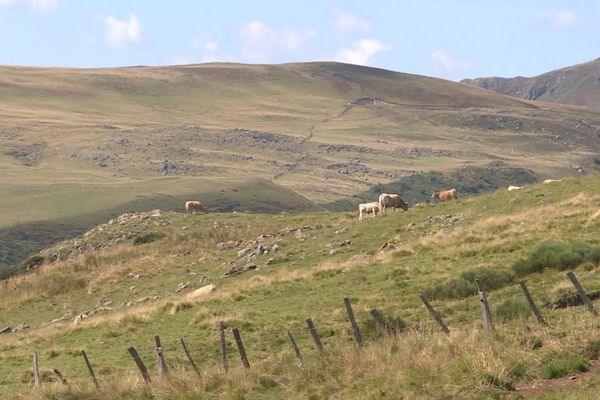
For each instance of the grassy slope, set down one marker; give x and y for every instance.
(306, 280)
(78, 142)
(577, 85)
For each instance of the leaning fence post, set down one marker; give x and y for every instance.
(315, 335)
(296, 349)
(355, 329)
(240, 346)
(187, 353)
(89, 366)
(378, 317)
(163, 371)
(223, 344)
(434, 313)
(584, 297)
(36, 371)
(486, 314)
(62, 378)
(534, 308)
(140, 364)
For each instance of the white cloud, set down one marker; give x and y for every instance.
(123, 32)
(260, 42)
(346, 22)
(564, 19)
(208, 49)
(361, 51)
(448, 67)
(39, 5)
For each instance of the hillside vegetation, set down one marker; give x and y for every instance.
(79, 146)
(134, 274)
(578, 85)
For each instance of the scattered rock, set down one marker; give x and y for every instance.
(339, 231)
(244, 252)
(223, 246)
(183, 286)
(239, 269)
(412, 224)
(80, 318)
(16, 328)
(206, 280)
(133, 277)
(386, 247)
(143, 299)
(270, 261)
(345, 243)
(332, 252)
(201, 292)
(260, 250)
(275, 248)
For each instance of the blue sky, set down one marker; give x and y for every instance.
(448, 39)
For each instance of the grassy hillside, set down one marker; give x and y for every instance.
(127, 271)
(578, 85)
(79, 145)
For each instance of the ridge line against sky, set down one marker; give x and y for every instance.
(448, 39)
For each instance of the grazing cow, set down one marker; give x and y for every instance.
(547, 181)
(392, 201)
(511, 188)
(193, 206)
(445, 195)
(368, 208)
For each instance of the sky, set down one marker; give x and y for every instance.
(450, 39)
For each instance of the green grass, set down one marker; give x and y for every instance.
(308, 281)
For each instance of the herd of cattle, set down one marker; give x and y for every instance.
(386, 200)
(394, 201)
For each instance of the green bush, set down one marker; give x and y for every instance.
(565, 365)
(465, 285)
(557, 255)
(512, 309)
(148, 237)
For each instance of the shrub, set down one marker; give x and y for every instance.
(557, 255)
(565, 365)
(33, 261)
(148, 237)
(465, 285)
(512, 309)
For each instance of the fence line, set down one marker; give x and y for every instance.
(163, 370)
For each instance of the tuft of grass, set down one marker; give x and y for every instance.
(565, 365)
(148, 237)
(513, 308)
(557, 255)
(465, 284)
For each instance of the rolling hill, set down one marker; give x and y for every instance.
(577, 85)
(79, 146)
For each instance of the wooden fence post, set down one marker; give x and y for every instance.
(163, 371)
(584, 297)
(140, 364)
(315, 335)
(485, 308)
(240, 346)
(355, 329)
(89, 366)
(378, 317)
(187, 353)
(532, 305)
(36, 371)
(223, 344)
(62, 378)
(434, 313)
(296, 349)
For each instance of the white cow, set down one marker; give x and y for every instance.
(511, 188)
(368, 208)
(391, 201)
